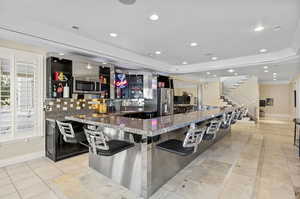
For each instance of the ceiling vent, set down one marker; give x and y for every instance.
(84, 55)
(128, 2)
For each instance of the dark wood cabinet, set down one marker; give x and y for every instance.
(104, 76)
(57, 65)
(133, 90)
(56, 148)
(164, 82)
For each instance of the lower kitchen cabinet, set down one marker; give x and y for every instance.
(56, 148)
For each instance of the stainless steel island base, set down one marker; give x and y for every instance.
(144, 168)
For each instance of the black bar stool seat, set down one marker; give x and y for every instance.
(175, 146)
(208, 137)
(115, 146)
(101, 145)
(186, 147)
(225, 126)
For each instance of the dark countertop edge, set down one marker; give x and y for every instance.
(62, 118)
(147, 132)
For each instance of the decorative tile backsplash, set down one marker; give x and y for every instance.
(58, 105)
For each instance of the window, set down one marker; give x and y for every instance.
(20, 94)
(5, 98)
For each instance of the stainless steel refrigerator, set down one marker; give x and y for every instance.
(165, 101)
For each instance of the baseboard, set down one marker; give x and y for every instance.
(278, 116)
(23, 158)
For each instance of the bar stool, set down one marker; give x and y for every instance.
(212, 129)
(190, 144)
(226, 120)
(243, 113)
(68, 133)
(235, 117)
(101, 145)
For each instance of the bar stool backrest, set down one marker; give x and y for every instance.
(194, 137)
(67, 131)
(96, 139)
(225, 118)
(214, 126)
(231, 118)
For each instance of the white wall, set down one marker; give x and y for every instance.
(282, 94)
(211, 93)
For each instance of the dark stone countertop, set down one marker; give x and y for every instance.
(148, 127)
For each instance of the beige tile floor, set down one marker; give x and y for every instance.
(254, 162)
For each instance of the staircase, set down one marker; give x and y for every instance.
(231, 83)
(242, 91)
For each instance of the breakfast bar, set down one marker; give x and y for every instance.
(144, 166)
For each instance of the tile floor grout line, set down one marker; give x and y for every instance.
(286, 160)
(17, 191)
(259, 170)
(232, 167)
(44, 182)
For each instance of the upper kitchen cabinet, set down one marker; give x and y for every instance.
(135, 86)
(59, 78)
(164, 82)
(104, 78)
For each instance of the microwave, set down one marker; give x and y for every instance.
(86, 85)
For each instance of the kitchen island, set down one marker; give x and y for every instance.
(144, 168)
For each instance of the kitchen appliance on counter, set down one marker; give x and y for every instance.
(86, 85)
(165, 101)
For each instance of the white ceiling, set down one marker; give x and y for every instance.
(222, 28)
(285, 71)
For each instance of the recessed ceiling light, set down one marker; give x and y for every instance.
(157, 52)
(259, 28)
(274, 73)
(274, 79)
(266, 71)
(128, 2)
(276, 28)
(235, 74)
(61, 54)
(266, 67)
(112, 34)
(193, 44)
(104, 63)
(214, 58)
(263, 50)
(208, 73)
(184, 63)
(89, 66)
(215, 75)
(230, 70)
(154, 17)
